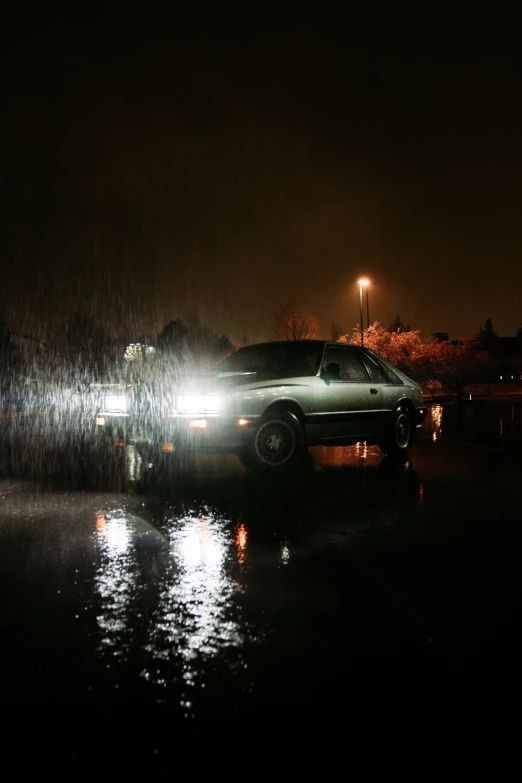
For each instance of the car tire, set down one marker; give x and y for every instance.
(397, 441)
(277, 444)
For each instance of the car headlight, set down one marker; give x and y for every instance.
(198, 403)
(116, 402)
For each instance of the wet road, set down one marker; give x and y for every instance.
(221, 593)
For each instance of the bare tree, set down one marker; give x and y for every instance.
(293, 322)
(487, 335)
(336, 331)
(398, 326)
(192, 341)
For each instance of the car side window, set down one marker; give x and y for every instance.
(391, 377)
(376, 374)
(352, 369)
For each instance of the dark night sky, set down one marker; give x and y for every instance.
(223, 162)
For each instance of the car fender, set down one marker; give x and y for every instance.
(256, 402)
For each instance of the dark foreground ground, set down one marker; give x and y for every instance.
(221, 596)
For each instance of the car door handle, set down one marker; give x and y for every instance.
(374, 391)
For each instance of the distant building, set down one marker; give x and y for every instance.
(506, 353)
(505, 356)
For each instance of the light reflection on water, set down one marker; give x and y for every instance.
(241, 542)
(285, 553)
(338, 456)
(361, 450)
(133, 463)
(435, 422)
(115, 583)
(194, 615)
(485, 421)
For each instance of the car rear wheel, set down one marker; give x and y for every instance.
(397, 441)
(277, 444)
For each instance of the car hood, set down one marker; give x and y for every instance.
(221, 382)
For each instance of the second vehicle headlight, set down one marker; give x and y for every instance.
(116, 402)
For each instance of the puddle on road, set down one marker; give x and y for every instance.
(488, 424)
(187, 614)
(184, 608)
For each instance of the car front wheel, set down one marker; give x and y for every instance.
(277, 444)
(397, 441)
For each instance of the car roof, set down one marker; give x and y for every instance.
(305, 342)
(301, 342)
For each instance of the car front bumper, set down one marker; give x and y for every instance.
(123, 428)
(174, 433)
(215, 434)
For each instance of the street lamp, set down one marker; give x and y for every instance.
(364, 282)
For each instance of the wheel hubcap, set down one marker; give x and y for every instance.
(403, 430)
(274, 443)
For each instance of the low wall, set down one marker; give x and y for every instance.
(495, 389)
(477, 391)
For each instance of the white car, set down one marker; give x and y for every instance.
(268, 402)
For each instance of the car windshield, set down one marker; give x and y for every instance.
(284, 359)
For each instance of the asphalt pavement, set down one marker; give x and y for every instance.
(218, 593)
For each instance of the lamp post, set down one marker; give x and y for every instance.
(364, 282)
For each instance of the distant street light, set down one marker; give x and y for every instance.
(364, 282)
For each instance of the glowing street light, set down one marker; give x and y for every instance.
(364, 282)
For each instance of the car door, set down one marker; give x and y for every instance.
(349, 402)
